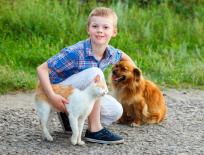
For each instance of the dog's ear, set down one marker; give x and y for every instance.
(137, 74)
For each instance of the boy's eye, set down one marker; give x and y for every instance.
(94, 26)
(106, 27)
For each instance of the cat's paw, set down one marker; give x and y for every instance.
(73, 140)
(81, 143)
(48, 138)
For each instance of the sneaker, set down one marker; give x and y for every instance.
(64, 122)
(103, 137)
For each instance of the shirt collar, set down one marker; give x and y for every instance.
(88, 50)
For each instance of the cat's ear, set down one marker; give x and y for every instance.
(97, 79)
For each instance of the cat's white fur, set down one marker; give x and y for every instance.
(79, 107)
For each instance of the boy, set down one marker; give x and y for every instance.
(78, 64)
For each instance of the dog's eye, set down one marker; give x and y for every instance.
(124, 69)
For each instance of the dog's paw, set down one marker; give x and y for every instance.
(121, 121)
(134, 125)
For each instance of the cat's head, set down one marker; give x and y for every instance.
(98, 86)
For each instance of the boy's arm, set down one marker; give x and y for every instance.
(43, 75)
(125, 57)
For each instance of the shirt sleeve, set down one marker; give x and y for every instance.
(117, 55)
(62, 61)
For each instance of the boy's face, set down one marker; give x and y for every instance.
(101, 30)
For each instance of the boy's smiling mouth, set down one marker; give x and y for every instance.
(99, 37)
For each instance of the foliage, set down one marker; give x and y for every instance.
(166, 44)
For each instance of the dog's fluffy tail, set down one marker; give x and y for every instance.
(152, 118)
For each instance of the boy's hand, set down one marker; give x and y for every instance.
(58, 102)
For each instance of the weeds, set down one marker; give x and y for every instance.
(165, 44)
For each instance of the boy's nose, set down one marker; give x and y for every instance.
(99, 30)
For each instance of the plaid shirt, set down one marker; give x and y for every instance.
(79, 57)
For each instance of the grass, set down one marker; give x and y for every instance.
(167, 46)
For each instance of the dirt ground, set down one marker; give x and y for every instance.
(182, 133)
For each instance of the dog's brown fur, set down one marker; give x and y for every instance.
(141, 99)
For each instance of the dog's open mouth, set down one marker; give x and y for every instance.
(118, 79)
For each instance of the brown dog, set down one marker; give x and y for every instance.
(141, 99)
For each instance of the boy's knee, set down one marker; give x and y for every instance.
(93, 71)
(96, 71)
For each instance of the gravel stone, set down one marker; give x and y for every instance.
(182, 132)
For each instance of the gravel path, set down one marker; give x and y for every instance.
(182, 133)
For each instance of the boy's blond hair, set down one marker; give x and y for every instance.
(103, 12)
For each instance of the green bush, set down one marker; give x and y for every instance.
(167, 45)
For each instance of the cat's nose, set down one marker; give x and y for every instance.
(105, 92)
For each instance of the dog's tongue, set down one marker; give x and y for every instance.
(115, 78)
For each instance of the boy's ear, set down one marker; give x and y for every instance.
(87, 30)
(115, 32)
(97, 78)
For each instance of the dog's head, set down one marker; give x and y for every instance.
(125, 72)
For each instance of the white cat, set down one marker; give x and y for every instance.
(79, 107)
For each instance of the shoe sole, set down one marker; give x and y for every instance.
(104, 142)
